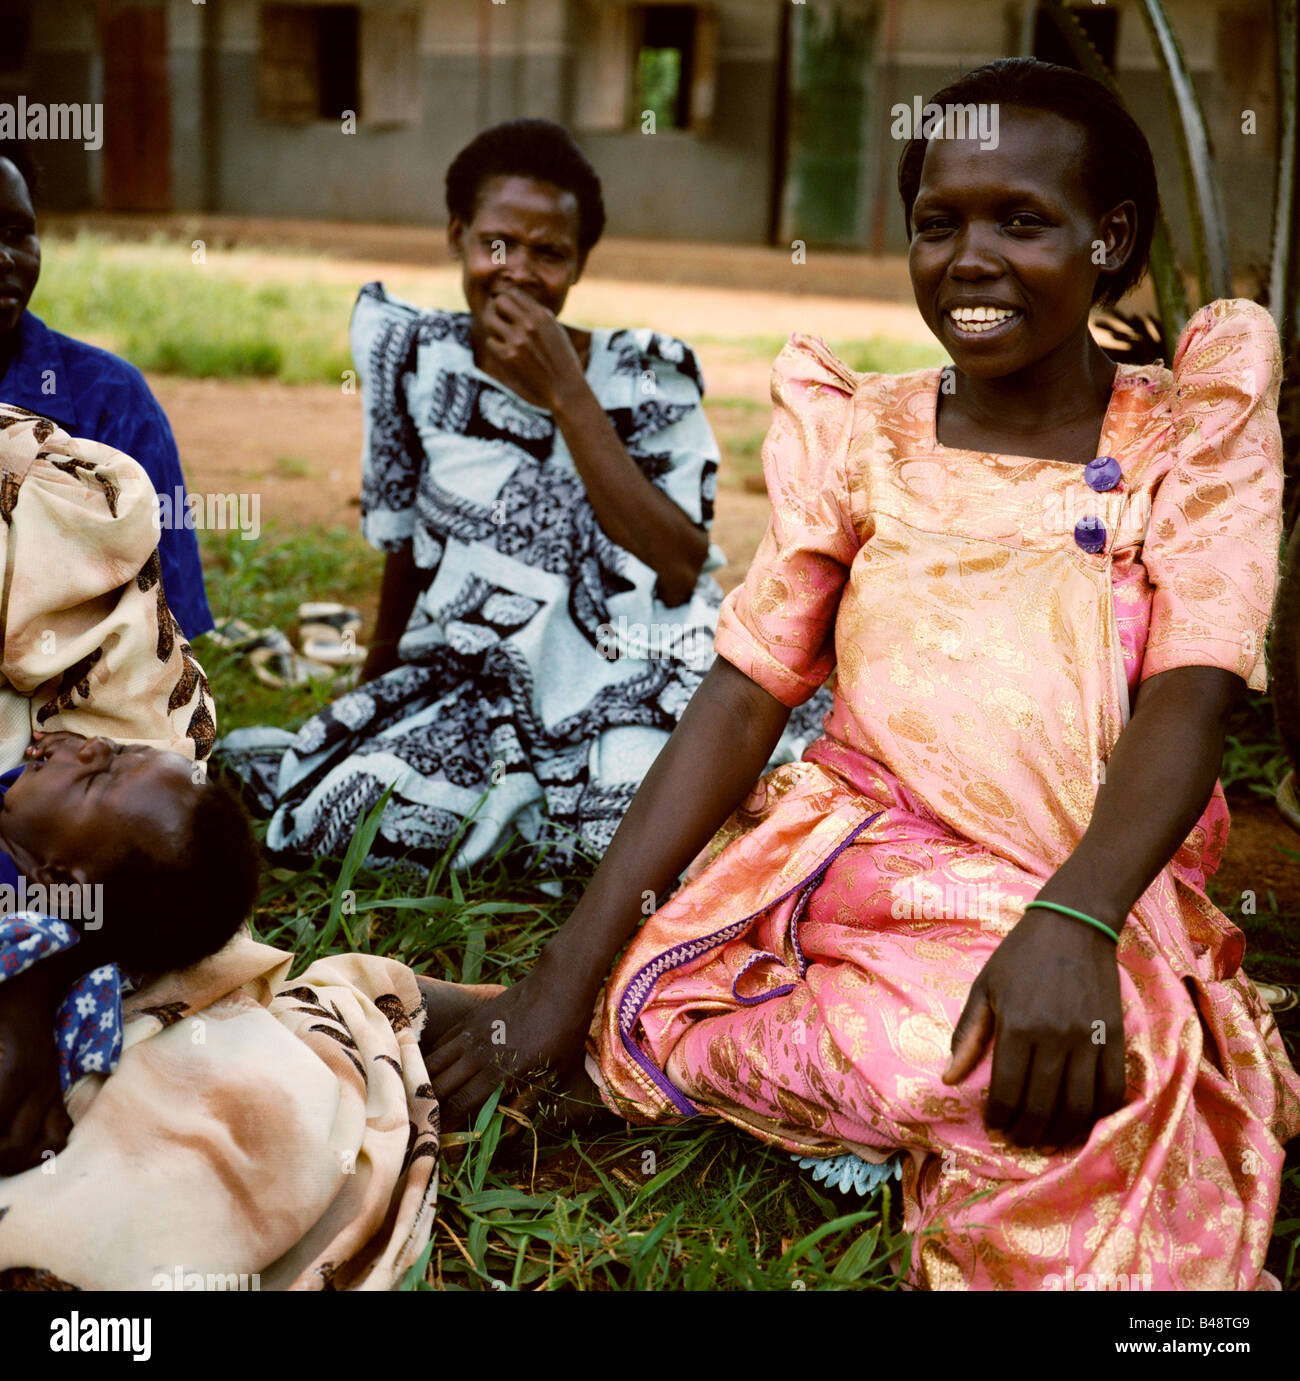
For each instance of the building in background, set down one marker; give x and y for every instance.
(771, 119)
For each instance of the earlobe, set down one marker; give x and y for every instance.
(455, 236)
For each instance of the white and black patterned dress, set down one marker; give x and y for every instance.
(541, 673)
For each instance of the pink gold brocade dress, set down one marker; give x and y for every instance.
(805, 980)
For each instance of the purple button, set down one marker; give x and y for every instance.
(1102, 474)
(1090, 534)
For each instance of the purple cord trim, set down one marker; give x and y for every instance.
(756, 958)
(637, 993)
(767, 996)
(801, 964)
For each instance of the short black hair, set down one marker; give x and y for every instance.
(538, 149)
(20, 155)
(1117, 162)
(167, 913)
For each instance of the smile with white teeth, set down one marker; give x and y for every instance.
(976, 320)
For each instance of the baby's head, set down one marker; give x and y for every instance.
(175, 856)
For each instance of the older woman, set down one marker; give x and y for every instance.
(544, 495)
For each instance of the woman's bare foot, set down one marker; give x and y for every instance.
(445, 1004)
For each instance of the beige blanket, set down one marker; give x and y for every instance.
(259, 1133)
(87, 642)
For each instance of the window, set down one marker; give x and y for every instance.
(665, 64)
(1101, 26)
(638, 58)
(319, 60)
(16, 26)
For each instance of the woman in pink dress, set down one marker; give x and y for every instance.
(1042, 581)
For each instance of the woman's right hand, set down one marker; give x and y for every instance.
(532, 1036)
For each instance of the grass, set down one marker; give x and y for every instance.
(691, 1207)
(165, 312)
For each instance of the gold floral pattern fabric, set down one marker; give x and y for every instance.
(805, 981)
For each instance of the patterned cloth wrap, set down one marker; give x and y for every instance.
(259, 1131)
(88, 1024)
(90, 645)
(540, 672)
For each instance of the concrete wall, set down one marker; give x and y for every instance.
(720, 184)
(678, 185)
(673, 184)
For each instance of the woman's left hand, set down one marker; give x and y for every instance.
(531, 346)
(1049, 1000)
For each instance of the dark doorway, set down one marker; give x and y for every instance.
(137, 110)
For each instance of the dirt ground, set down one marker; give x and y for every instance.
(299, 447)
(840, 273)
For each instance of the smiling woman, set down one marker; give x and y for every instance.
(1005, 255)
(544, 495)
(1028, 722)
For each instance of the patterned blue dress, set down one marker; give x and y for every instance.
(541, 671)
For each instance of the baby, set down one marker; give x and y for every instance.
(174, 866)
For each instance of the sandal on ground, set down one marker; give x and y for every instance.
(235, 634)
(339, 617)
(1279, 996)
(322, 644)
(327, 633)
(277, 665)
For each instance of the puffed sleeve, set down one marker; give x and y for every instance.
(384, 339)
(778, 627)
(1211, 550)
(654, 399)
(655, 404)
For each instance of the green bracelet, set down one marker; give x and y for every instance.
(1078, 916)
